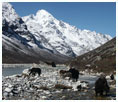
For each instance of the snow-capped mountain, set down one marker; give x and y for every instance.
(65, 38)
(19, 41)
(42, 36)
(14, 27)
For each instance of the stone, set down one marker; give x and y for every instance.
(8, 90)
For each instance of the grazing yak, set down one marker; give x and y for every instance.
(33, 71)
(101, 86)
(71, 73)
(75, 73)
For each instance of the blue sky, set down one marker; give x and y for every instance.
(99, 16)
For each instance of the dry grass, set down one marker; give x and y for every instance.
(44, 88)
(102, 59)
(60, 86)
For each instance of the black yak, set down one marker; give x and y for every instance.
(71, 73)
(101, 86)
(53, 64)
(75, 73)
(33, 71)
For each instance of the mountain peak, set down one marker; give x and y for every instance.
(43, 14)
(42, 11)
(8, 12)
(6, 4)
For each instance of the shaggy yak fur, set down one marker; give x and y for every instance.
(75, 73)
(101, 86)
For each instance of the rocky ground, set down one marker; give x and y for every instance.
(50, 86)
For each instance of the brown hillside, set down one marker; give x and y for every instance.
(102, 59)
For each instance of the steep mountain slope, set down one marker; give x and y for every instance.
(102, 59)
(19, 44)
(65, 38)
(15, 52)
(14, 27)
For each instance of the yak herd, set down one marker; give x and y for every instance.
(101, 85)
